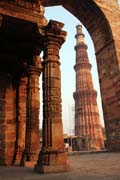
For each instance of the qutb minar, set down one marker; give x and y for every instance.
(87, 119)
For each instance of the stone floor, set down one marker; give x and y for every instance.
(99, 166)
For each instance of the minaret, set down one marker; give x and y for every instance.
(87, 120)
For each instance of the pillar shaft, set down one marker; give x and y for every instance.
(52, 105)
(21, 121)
(32, 142)
(52, 157)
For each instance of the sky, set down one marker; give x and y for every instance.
(67, 59)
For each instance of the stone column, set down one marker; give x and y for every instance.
(52, 157)
(7, 119)
(21, 121)
(32, 142)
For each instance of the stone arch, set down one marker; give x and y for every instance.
(100, 19)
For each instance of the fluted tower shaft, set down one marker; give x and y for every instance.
(87, 120)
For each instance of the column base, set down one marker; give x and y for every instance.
(52, 161)
(29, 164)
(29, 159)
(51, 169)
(18, 157)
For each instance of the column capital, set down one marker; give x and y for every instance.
(53, 38)
(34, 70)
(35, 67)
(54, 34)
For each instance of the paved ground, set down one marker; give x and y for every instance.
(100, 166)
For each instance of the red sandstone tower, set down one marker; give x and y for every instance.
(87, 121)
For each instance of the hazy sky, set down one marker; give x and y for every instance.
(67, 59)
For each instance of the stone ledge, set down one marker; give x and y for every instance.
(85, 152)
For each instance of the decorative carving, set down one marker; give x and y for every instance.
(36, 61)
(54, 27)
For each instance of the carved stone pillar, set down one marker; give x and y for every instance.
(32, 142)
(21, 121)
(52, 157)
